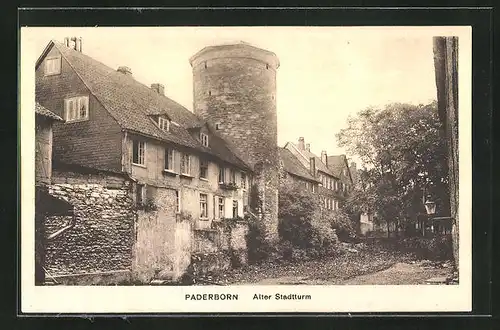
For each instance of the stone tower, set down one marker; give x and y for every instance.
(234, 89)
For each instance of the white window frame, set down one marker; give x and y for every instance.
(72, 108)
(235, 205)
(170, 156)
(163, 123)
(185, 166)
(203, 206)
(221, 207)
(222, 170)
(204, 139)
(51, 69)
(232, 176)
(206, 167)
(139, 149)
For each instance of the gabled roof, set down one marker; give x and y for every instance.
(337, 163)
(320, 166)
(132, 104)
(42, 111)
(293, 166)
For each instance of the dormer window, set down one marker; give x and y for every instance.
(163, 123)
(204, 139)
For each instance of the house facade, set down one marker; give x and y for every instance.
(329, 181)
(294, 173)
(185, 177)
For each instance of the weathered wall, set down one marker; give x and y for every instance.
(94, 142)
(163, 244)
(43, 151)
(190, 187)
(103, 235)
(220, 248)
(235, 88)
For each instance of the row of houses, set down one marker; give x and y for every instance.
(142, 183)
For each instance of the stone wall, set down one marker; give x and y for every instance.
(220, 248)
(102, 238)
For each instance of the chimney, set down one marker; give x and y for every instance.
(79, 44)
(159, 88)
(308, 147)
(324, 157)
(125, 70)
(74, 43)
(312, 166)
(301, 143)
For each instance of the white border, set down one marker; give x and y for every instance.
(74, 299)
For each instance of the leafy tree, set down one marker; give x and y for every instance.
(301, 220)
(403, 155)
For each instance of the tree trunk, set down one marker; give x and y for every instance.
(446, 70)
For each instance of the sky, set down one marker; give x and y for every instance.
(325, 73)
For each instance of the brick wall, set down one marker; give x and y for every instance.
(103, 235)
(235, 87)
(95, 142)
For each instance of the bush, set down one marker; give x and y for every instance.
(302, 224)
(258, 249)
(435, 248)
(342, 224)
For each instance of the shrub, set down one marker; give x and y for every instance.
(342, 223)
(302, 224)
(435, 248)
(258, 250)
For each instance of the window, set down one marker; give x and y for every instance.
(169, 159)
(140, 194)
(325, 202)
(220, 206)
(186, 164)
(218, 126)
(243, 180)
(203, 206)
(222, 177)
(138, 152)
(52, 65)
(235, 209)
(163, 123)
(233, 176)
(76, 108)
(313, 187)
(204, 139)
(177, 201)
(203, 169)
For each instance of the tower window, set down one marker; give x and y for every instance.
(205, 64)
(218, 126)
(267, 66)
(209, 93)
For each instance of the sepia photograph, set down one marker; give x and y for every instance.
(276, 160)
